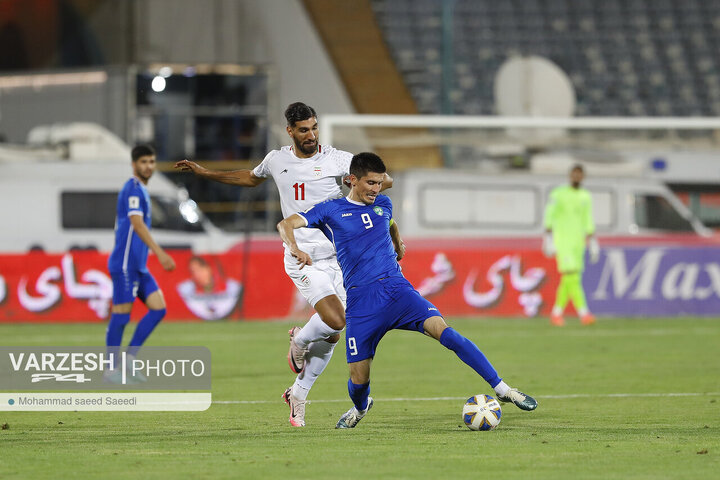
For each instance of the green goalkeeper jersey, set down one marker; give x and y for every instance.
(569, 215)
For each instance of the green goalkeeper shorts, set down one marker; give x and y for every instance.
(571, 259)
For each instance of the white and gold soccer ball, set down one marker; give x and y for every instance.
(481, 412)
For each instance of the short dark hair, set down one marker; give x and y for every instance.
(365, 162)
(297, 112)
(142, 151)
(577, 166)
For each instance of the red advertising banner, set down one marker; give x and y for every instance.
(484, 282)
(508, 277)
(76, 287)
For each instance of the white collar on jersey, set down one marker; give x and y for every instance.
(354, 202)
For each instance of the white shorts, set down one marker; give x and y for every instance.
(318, 280)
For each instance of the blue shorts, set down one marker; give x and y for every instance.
(373, 310)
(130, 285)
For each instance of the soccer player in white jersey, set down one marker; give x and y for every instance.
(305, 174)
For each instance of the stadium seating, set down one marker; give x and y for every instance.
(624, 57)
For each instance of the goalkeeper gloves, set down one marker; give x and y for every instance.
(594, 249)
(548, 247)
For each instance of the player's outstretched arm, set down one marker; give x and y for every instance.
(397, 241)
(286, 229)
(142, 231)
(242, 178)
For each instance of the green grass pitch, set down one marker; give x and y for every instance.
(626, 398)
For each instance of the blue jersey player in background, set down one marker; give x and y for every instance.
(128, 261)
(379, 298)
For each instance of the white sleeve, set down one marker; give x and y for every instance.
(342, 161)
(263, 170)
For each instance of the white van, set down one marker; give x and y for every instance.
(59, 193)
(448, 203)
(58, 206)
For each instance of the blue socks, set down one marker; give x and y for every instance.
(359, 394)
(144, 329)
(466, 350)
(469, 353)
(114, 334)
(115, 329)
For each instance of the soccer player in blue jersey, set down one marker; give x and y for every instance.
(379, 298)
(305, 173)
(127, 262)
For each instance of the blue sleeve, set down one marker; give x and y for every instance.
(316, 215)
(122, 203)
(385, 202)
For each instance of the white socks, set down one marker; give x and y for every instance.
(501, 388)
(299, 392)
(312, 336)
(315, 329)
(317, 358)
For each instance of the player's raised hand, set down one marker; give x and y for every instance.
(302, 257)
(188, 166)
(166, 261)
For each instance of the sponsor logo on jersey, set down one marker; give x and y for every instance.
(378, 210)
(284, 171)
(347, 214)
(318, 172)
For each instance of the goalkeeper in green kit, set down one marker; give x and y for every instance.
(569, 227)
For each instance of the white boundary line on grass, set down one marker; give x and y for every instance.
(432, 399)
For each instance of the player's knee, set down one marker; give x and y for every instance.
(121, 308)
(156, 301)
(333, 339)
(360, 372)
(359, 378)
(334, 319)
(435, 326)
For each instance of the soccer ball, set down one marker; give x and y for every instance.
(481, 412)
